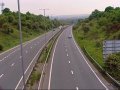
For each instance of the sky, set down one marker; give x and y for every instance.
(61, 7)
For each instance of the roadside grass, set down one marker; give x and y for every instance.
(90, 46)
(9, 41)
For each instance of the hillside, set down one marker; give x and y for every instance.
(32, 26)
(91, 32)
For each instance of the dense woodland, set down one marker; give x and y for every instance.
(91, 32)
(32, 26)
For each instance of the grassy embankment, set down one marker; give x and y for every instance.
(91, 32)
(32, 26)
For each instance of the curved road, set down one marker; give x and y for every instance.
(69, 68)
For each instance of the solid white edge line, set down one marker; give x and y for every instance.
(88, 63)
(28, 68)
(43, 72)
(52, 62)
(77, 88)
(30, 65)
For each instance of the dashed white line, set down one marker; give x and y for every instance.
(67, 54)
(72, 72)
(69, 61)
(26, 51)
(12, 64)
(66, 50)
(31, 47)
(77, 88)
(88, 63)
(20, 56)
(1, 75)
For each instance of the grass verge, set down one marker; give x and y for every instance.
(94, 54)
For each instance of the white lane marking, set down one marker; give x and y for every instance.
(72, 72)
(29, 67)
(26, 51)
(66, 50)
(69, 61)
(52, 62)
(31, 47)
(88, 63)
(67, 54)
(1, 75)
(12, 64)
(20, 56)
(16, 88)
(77, 88)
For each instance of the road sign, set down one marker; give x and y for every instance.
(110, 47)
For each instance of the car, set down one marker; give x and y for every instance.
(69, 36)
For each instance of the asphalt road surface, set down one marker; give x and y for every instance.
(10, 62)
(69, 68)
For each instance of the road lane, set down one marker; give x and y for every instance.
(10, 76)
(69, 69)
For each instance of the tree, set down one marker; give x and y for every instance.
(113, 62)
(2, 20)
(108, 9)
(95, 14)
(6, 28)
(11, 19)
(85, 28)
(6, 10)
(1, 47)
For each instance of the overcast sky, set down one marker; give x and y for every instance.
(61, 7)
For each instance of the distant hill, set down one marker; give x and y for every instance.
(83, 16)
(70, 19)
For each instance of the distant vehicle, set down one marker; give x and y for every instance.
(53, 29)
(69, 36)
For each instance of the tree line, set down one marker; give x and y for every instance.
(31, 23)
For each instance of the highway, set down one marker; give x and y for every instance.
(10, 62)
(69, 68)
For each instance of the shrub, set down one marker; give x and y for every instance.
(112, 65)
(1, 47)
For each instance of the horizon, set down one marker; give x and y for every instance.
(59, 8)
